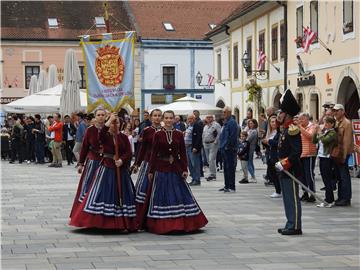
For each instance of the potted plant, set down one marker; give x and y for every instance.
(347, 27)
(254, 90)
(169, 86)
(299, 41)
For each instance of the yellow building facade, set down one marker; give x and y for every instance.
(257, 28)
(332, 78)
(326, 78)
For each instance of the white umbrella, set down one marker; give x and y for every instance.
(47, 101)
(70, 96)
(33, 85)
(187, 105)
(52, 76)
(42, 81)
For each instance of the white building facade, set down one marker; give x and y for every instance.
(169, 69)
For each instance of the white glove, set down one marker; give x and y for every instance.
(279, 166)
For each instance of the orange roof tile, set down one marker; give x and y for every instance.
(189, 18)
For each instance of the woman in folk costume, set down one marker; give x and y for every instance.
(172, 206)
(110, 201)
(143, 188)
(90, 156)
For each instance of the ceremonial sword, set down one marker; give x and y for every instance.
(303, 186)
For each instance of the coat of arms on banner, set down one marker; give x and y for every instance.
(109, 66)
(109, 69)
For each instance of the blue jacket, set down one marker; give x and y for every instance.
(229, 135)
(80, 132)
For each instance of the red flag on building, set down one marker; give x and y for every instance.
(309, 37)
(260, 60)
(211, 79)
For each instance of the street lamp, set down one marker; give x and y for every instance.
(199, 78)
(259, 74)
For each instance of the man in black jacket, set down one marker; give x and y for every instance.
(193, 144)
(69, 130)
(39, 133)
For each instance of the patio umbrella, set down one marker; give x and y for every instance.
(33, 85)
(186, 105)
(42, 81)
(52, 76)
(47, 101)
(70, 96)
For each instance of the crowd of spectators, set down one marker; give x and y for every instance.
(216, 143)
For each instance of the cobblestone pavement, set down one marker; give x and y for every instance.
(241, 234)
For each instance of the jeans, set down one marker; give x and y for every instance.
(344, 187)
(229, 158)
(244, 168)
(30, 150)
(308, 178)
(211, 150)
(69, 145)
(327, 177)
(76, 150)
(251, 167)
(17, 150)
(39, 151)
(194, 160)
(273, 177)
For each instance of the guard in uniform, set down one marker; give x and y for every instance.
(289, 151)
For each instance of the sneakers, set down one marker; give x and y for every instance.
(244, 181)
(275, 195)
(195, 183)
(229, 190)
(28, 162)
(253, 180)
(326, 205)
(222, 189)
(211, 178)
(304, 197)
(52, 165)
(311, 199)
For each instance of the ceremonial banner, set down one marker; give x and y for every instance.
(109, 70)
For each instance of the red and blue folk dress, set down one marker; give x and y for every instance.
(172, 206)
(90, 156)
(102, 207)
(143, 186)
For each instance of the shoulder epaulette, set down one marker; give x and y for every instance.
(293, 130)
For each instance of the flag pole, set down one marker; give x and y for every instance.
(277, 68)
(117, 129)
(106, 17)
(321, 42)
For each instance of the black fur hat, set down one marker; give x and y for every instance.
(289, 104)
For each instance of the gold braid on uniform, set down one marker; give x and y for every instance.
(293, 130)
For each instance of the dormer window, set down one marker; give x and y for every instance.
(212, 26)
(53, 23)
(100, 22)
(168, 26)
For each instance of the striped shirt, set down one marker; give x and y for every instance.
(308, 148)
